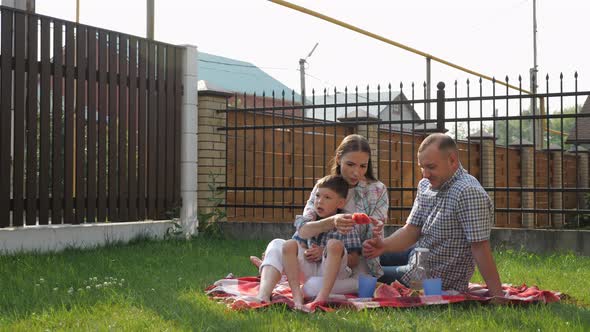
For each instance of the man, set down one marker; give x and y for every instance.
(452, 216)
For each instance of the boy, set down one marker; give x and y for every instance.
(341, 252)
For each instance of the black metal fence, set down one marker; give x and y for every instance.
(527, 150)
(89, 123)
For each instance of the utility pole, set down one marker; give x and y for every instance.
(538, 129)
(302, 73)
(302, 79)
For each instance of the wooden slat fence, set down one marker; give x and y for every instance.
(89, 123)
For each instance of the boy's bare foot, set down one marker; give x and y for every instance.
(256, 261)
(250, 299)
(298, 298)
(262, 300)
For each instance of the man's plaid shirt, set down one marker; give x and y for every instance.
(451, 218)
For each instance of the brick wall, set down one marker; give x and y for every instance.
(211, 147)
(279, 165)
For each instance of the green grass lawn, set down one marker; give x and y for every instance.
(159, 286)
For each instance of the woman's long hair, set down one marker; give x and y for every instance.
(352, 143)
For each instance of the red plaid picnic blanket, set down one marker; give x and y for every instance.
(239, 294)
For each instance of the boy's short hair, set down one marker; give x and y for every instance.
(335, 183)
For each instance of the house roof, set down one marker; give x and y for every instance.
(226, 76)
(357, 108)
(238, 76)
(208, 87)
(358, 103)
(578, 149)
(351, 98)
(580, 133)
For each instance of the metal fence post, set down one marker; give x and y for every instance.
(440, 107)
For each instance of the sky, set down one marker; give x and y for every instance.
(494, 38)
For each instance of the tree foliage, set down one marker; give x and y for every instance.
(512, 131)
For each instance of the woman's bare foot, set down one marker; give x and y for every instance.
(320, 299)
(256, 261)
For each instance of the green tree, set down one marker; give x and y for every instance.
(523, 128)
(517, 129)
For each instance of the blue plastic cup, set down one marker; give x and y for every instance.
(432, 286)
(367, 285)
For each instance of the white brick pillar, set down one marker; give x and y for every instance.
(28, 5)
(487, 166)
(188, 142)
(582, 176)
(556, 183)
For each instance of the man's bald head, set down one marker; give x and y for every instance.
(443, 143)
(438, 159)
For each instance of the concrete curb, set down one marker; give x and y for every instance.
(52, 238)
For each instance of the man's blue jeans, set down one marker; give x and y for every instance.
(395, 265)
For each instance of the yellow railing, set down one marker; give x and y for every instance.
(410, 49)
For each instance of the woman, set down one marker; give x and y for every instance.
(367, 195)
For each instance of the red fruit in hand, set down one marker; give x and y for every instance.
(361, 218)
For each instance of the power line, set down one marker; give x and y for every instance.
(232, 72)
(317, 78)
(240, 65)
(250, 75)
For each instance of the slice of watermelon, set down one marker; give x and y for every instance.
(361, 218)
(385, 291)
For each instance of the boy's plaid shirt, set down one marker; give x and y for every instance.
(370, 198)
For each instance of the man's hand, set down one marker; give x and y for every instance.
(501, 298)
(373, 247)
(499, 293)
(314, 254)
(482, 254)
